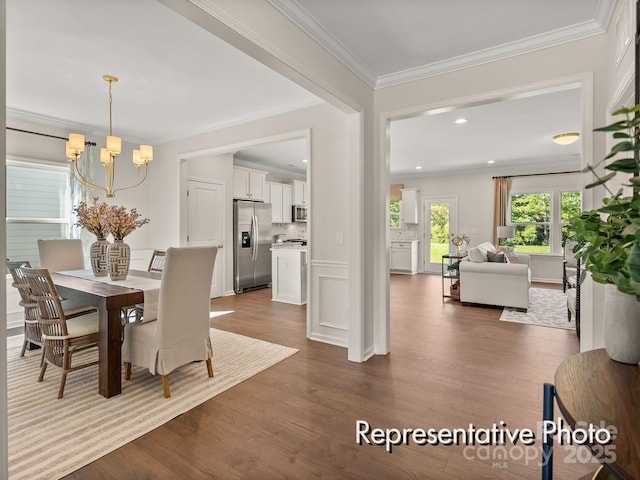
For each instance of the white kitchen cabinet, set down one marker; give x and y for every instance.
(280, 199)
(300, 193)
(404, 257)
(409, 206)
(289, 275)
(249, 184)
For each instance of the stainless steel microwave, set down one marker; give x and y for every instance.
(299, 213)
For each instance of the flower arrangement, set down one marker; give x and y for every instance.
(93, 217)
(121, 223)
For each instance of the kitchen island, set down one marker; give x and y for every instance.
(289, 274)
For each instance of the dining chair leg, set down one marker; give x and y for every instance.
(42, 357)
(209, 367)
(24, 347)
(127, 370)
(42, 370)
(165, 386)
(63, 380)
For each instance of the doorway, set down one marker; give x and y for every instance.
(205, 221)
(440, 222)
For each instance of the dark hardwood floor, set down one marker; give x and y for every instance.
(450, 365)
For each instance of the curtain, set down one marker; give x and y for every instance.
(81, 193)
(500, 204)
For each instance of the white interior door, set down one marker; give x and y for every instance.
(205, 221)
(440, 223)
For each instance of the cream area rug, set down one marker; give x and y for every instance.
(50, 438)
(547, 308)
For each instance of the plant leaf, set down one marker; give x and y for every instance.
(602, 180)
(627, 165)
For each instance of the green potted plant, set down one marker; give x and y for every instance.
(608, 239)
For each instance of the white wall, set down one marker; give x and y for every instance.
(328, 205)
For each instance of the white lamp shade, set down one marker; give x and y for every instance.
(104, 156)
(146, 153)
(506, 231)
(137, 161)
(114, 145)
(76, 143)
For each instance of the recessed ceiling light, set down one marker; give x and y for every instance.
(491, 161)
(418, 168)
(461, 121)
(304, 161)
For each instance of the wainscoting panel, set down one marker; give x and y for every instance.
(329, 308)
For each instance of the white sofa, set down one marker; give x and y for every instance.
(489, 283)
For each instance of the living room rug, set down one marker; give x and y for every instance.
(50, 438)
(547, 308)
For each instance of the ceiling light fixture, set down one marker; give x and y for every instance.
(418, 168)
(491, 161)
(460, 121)
(304, 161)
(566, 138)
(75, 147)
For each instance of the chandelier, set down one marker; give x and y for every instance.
(75, 147)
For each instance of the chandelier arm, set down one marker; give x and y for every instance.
(137, 182)
(84, 180)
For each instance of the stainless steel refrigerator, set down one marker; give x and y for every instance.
(252, 245)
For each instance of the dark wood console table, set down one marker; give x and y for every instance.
(593, 389)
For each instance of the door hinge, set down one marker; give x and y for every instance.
(187, 238)
(187, 193)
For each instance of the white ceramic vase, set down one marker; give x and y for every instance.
(119, 258)
(99, 258)
(621, 326)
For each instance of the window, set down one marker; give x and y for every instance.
(37, 207)
(541, 219)
(394, 214)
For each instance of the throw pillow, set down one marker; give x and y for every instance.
(496, 257)
(476, 255)
(509, 253)
(487, 247)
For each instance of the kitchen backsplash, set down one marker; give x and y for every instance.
(405, 232)
(291, 230)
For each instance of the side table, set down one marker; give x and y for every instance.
(450, 270)
(592, 389)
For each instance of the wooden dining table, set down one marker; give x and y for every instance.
(109, 298)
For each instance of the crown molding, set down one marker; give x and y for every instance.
(268, 112)
(299, 16)
(507, 50)
(40, 119)
(15, 114)
(309, 25)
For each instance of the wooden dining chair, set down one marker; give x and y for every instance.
(62, 337)
(180, 335)
(157, 261)
(32, 332)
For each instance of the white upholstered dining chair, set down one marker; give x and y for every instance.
(180, 335)
(61, 254)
